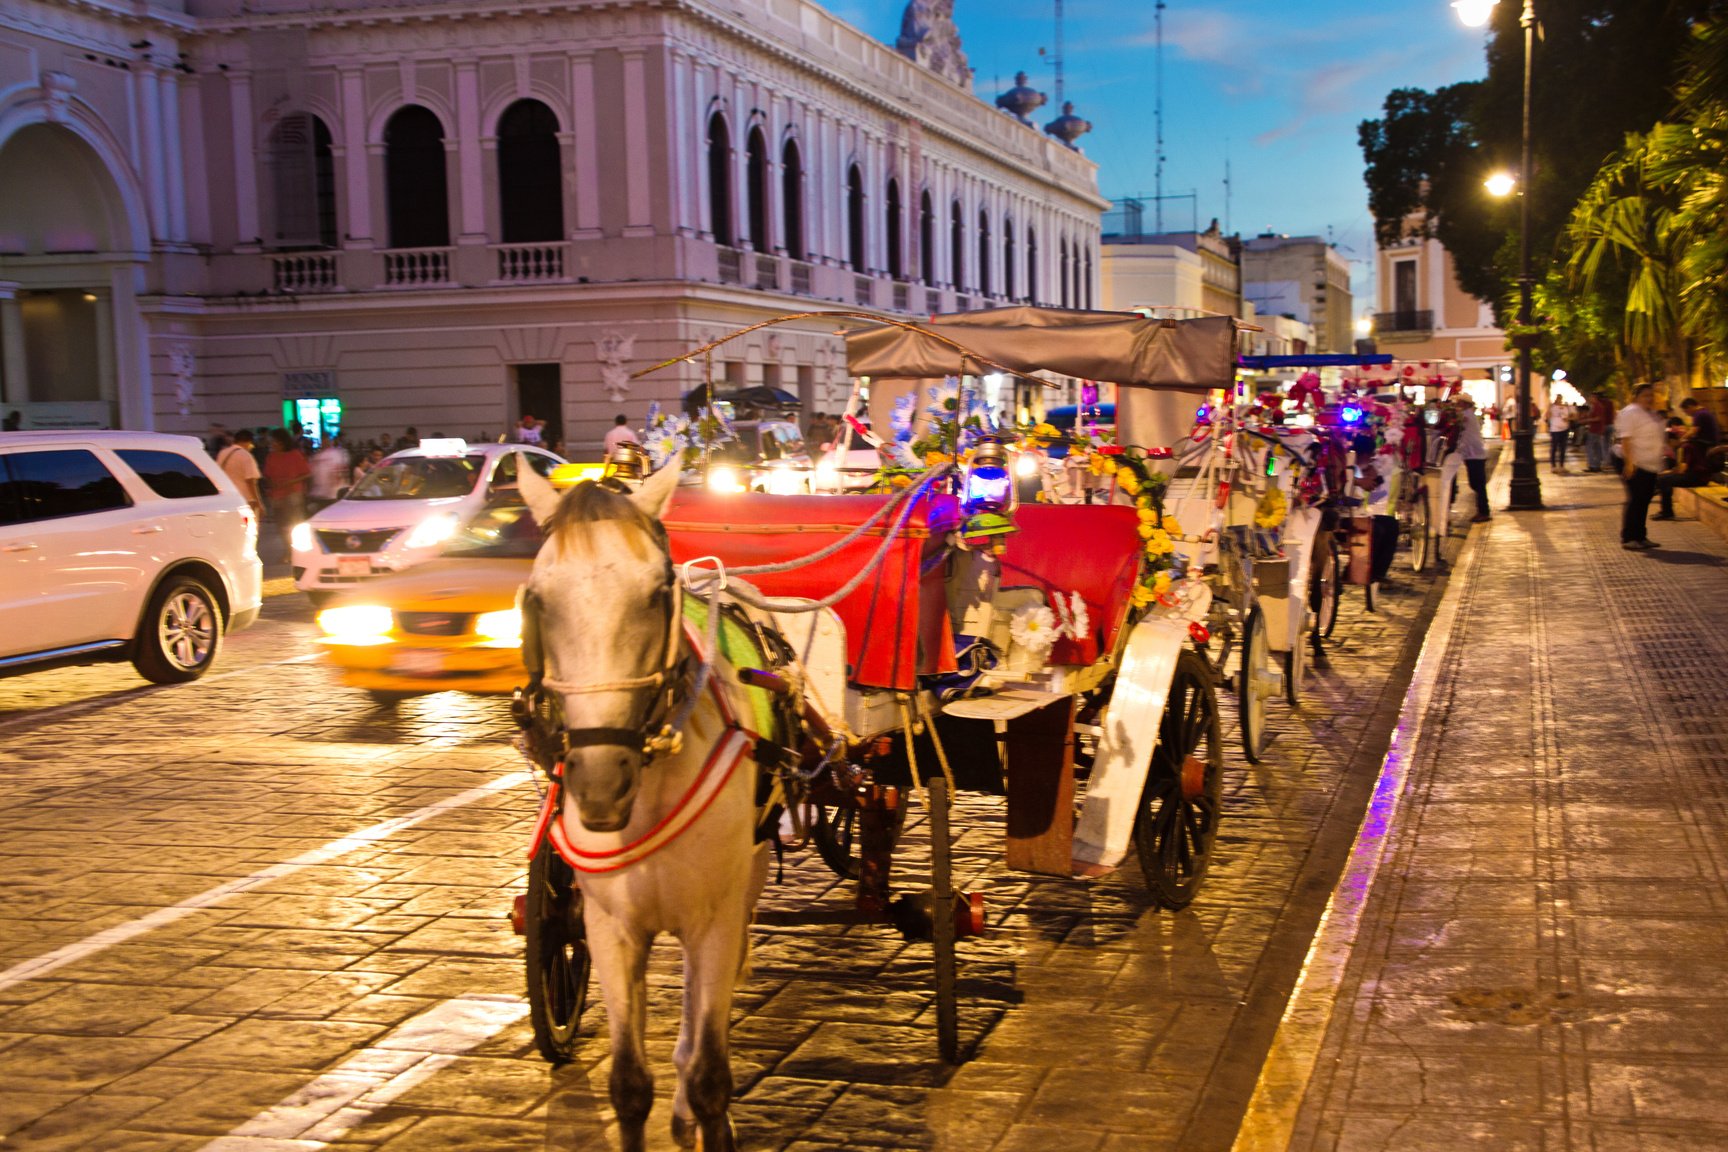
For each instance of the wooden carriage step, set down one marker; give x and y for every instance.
(1008, 704)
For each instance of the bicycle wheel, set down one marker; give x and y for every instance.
(1324, 576)
(1421, 539)
(557, 955)
(1254, 684)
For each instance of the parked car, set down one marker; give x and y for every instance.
(121, 546)
(405, 511)
(449, 623)
(767, 456)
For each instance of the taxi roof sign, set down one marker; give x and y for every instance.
(448, 446)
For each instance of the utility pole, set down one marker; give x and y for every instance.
(1061, 85)
(1158, 119)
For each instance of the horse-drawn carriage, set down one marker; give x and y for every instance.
(710, 671)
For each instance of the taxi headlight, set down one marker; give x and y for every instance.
(724, 478)
(500, 629)
(784, 480)
(430, 531)
(356, 624)
(827, 476)
(300, 537)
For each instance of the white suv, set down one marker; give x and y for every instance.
(405, 510)
(121, 546)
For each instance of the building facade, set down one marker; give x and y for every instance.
(1422, 314)
(1304, 278)
(448, 215)
(1191, 273)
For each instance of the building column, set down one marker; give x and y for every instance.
(14, 383)
(356, 162)
(174, 160)
(686, 216)
(151, 144)
(248, 232)
(584, 126)
(638, 196)
(131, 353)
(470, 180)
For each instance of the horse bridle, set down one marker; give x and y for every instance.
(649, 736)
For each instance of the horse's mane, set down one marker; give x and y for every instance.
(589, 502)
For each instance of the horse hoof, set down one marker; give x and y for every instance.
(683, 1132)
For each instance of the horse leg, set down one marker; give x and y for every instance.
(620, 953)
(711, 964)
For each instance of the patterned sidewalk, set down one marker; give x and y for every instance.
(1529, 949)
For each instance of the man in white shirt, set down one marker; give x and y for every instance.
(1474, 454)
(1643, 438)
(620, 434)
(329, 473)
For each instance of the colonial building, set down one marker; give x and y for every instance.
(1422, 314)
(1304, 278)
(448, 214)
(1195, 272)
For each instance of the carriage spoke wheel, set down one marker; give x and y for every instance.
(1421, 539)
(1177, 826)
(558, 961)
(1254, 683)
(1295, 672)
(835, 833)
(1324, 575)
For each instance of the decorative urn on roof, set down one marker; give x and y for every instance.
(1068, 127)
(929, 36)
(1021, 100)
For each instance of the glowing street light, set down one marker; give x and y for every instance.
(1501, 184)
(1474, 13)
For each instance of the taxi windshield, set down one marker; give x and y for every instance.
(420, 478)
(503, 531)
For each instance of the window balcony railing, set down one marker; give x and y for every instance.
(417, 267)
(800, 278)
(767, 272)
(864, 291)
(530, 263)
(1407, 321)
(731, 266)
(304, 272)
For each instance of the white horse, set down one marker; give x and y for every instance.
(663, 840)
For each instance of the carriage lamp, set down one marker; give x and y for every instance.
(432, 531)
(356, 624)
(500, 629)
(724, 478)
(628, 461)
(300, 537)
(988, 487)
(1351, 414)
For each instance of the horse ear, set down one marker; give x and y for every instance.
(656, 491)
(537, 491)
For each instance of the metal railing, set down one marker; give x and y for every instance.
(767, 272)
(1407, 321)
(864, 291)
(416, 267)
(731, 266)
(304, 272)
(530, 263)
(800, 278)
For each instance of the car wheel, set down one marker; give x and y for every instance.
(180, 634)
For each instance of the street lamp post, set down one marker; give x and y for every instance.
(1526, 490)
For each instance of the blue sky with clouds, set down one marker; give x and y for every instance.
(1277, 85)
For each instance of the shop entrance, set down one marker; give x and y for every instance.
(540, 393)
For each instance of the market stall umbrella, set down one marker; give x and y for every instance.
(762, 396)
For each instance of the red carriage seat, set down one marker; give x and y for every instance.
(896, 620)
(1092, 549)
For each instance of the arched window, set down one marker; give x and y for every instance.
(530, 174)
(957, 245)
(415, 191)
(926, 239)
(896, 241)
(1067, 284)
(756, 186)
(720, 181)
(855, 219)
(792, 199)
(984, 251)
(1031, 265)
(303, 177)
(1008, 257)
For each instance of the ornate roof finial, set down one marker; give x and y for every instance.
(1021, 100)
(929, 36)
(1068, 127)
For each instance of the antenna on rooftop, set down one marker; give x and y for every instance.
(1158, 118)
(1056, 58)
(1226, 185)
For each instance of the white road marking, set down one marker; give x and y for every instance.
(339, 1101)
(42, 965)
(42, 716)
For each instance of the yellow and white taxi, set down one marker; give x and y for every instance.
(451, 623)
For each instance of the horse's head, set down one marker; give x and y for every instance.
(602, 587)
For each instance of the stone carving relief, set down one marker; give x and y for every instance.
(615, 350)
(182, 366)
(929, 36)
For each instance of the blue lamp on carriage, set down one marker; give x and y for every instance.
(987, 496)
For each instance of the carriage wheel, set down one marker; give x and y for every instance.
(835, 834)
(1295, 671)
(1421, 540)
(1253, 685)
(557, 951)
(1177, 825)
(1324, 576)
(942, 923)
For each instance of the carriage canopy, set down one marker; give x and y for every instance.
(1123, 348)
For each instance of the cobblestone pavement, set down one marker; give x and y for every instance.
(1540, 959)
(261, 913)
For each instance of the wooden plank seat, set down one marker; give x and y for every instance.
(1092, 549)
(896, 621)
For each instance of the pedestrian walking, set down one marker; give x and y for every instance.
(286, 474)
(620, 433)
(1508, 417)
(1559, 431)
(329, 474)
(1597, 421)
(1642, 436)
(1474, 454)
(236, 459)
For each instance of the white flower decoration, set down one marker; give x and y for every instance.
(1034, 629)
(1078, 621)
